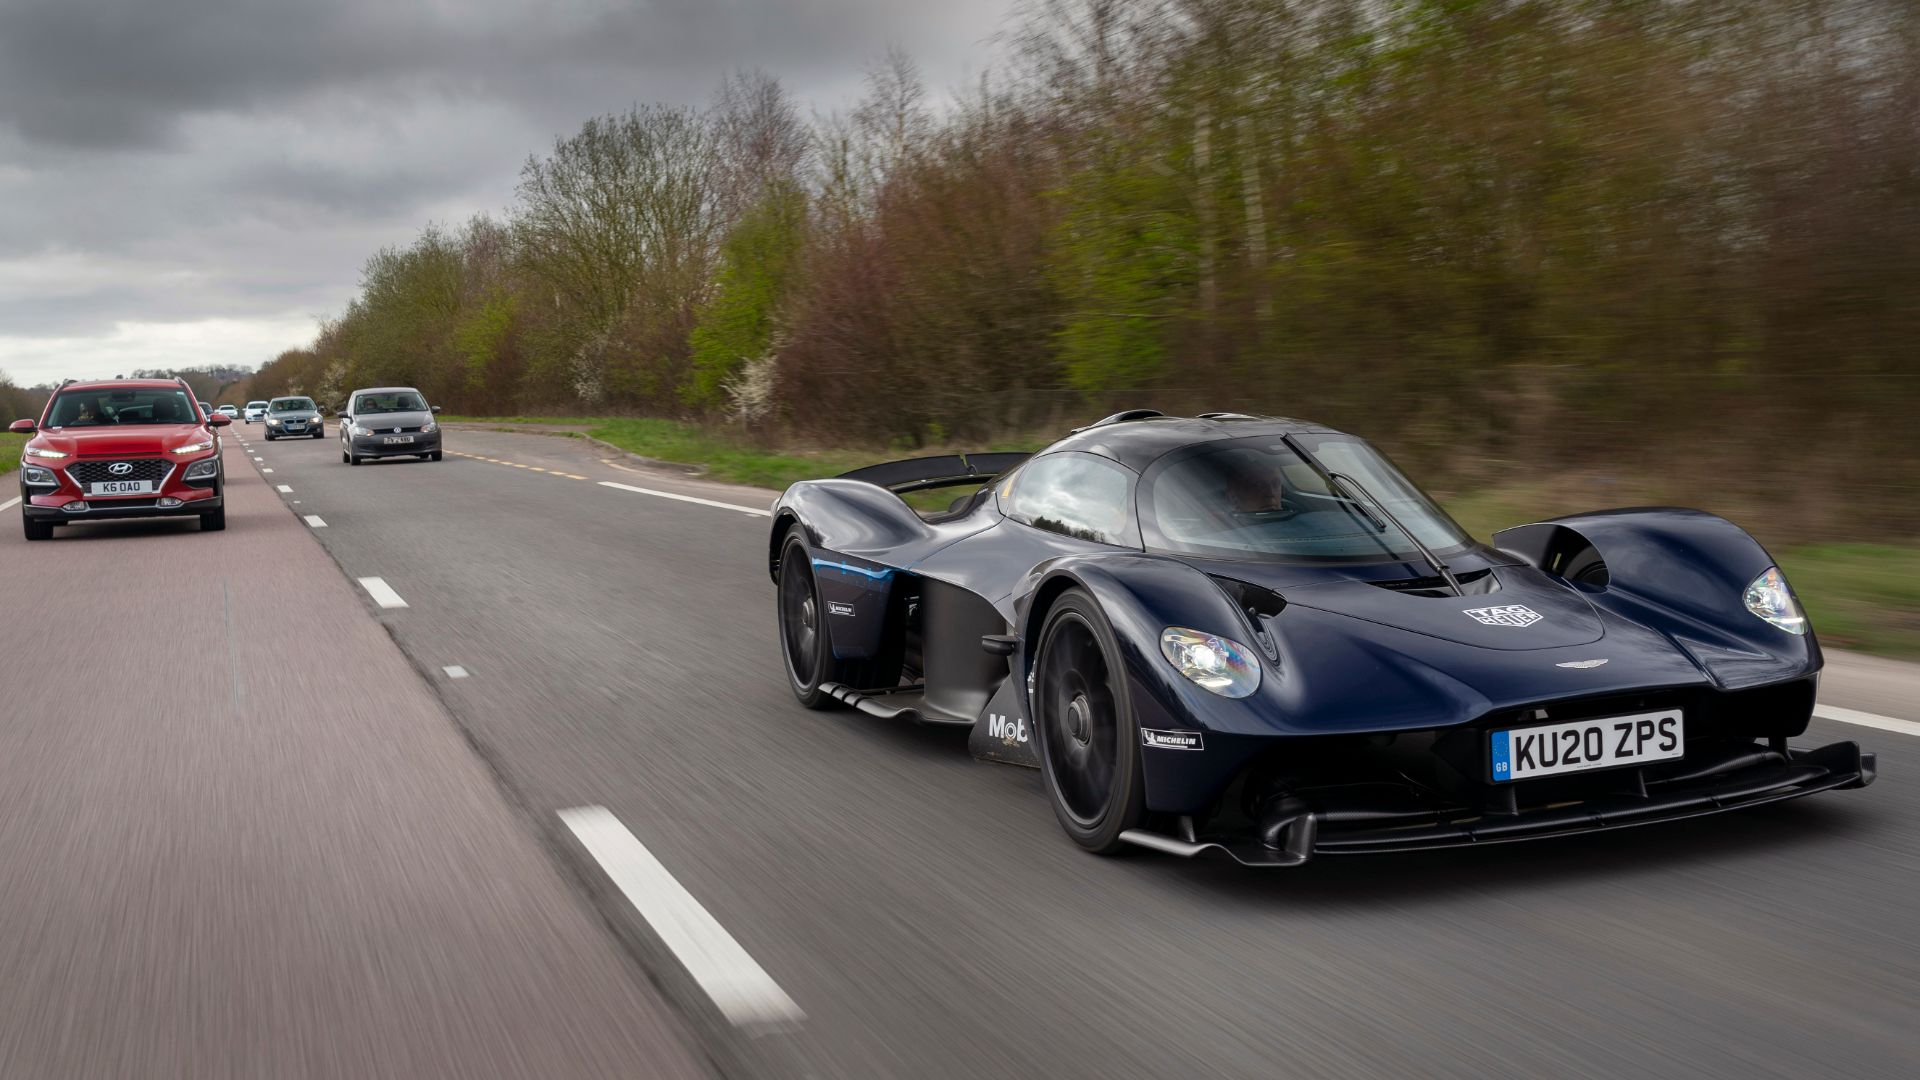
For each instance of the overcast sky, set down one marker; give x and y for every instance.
(185, 182)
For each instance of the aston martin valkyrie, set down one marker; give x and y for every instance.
(1254, 636)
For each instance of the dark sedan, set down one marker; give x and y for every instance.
(389, 421)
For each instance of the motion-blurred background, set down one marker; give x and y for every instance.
(1550, 255)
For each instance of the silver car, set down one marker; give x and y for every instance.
(388, 421)
(294, 417)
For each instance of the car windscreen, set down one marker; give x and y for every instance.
(292, 404)
(1259, 498)
(398, 401)
(105, 408)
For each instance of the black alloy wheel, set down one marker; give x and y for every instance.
(1089, 740)
(803, 632)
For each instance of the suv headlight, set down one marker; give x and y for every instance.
(38, 476)
(1219, 664)
(203, 470)
(41, 451)
(194, 448)
(1769, 598)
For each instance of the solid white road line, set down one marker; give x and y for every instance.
(382, 592)
(1866, 719)
(314, 520)
(742, 989)
(10, 503)
(283, 489)
(455, 672)
(687, 498)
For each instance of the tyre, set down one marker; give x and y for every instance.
(319, 433)
(214, 520)
(435, 456)
(804, 642)
(1089, 738)
(349, 457)
(36, 530)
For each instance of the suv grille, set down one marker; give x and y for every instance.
(99, 472)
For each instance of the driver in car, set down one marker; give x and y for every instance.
(1256, 491)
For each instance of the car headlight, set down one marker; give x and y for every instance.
(356, 429)
(38, 476)
(194, 448)
(429, 428)
(203, 470)
(1219, 664)
(1770, 599)
(273, 421)
(38, 451)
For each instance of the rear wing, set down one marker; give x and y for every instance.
(945, 470)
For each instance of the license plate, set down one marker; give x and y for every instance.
(396, 440)
(121, 487)
(1601, 743)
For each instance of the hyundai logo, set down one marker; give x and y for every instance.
(120, 468)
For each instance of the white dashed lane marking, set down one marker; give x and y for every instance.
(283, 489)
(455, 672)
(1866, 719)
(10, 503)
(314, 520)
(382, 592)
(688, 498)
(742, 989)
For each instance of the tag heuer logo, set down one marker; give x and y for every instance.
(1505, 615)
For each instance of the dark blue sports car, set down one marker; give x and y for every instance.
(1253, 635)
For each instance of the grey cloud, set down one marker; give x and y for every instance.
(180, 161)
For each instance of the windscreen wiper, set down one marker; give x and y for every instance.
(1433, 560)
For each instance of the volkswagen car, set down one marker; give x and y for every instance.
(386, 422)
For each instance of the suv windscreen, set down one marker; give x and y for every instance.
(105, 408)
(403, 401)
(292, 404)
(1258, 498)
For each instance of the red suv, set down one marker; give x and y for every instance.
(122, 449)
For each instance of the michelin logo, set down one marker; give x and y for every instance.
(1171, 740)
(834, 608)
(1007, 731)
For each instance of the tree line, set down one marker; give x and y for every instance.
(1501, 237)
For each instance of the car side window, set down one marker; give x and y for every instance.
(1078, 495)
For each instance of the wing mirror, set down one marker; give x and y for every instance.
(22, 427)
(219, 420)
(436, 408)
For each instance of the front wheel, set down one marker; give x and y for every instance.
(435, 456)
(1089, 739)
(36, 530)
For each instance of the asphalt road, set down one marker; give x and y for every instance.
(616, 649)
(243, 839)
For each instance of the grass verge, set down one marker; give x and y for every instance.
(10, 445)
(1859, 596)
